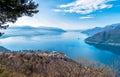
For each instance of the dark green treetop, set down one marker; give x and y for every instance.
(11, 10)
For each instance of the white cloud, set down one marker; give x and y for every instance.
(56, 10)
(84, 6)
(30, 21)
(86, 17)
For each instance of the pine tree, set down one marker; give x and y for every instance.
(11, 10)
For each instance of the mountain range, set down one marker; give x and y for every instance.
(31, 31)
(108, 38)
(3, 49)
(95, 30)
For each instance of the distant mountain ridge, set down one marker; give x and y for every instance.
(95, 30)
(107, 39)
(111, 35)
(3, 49)
(31, 31)
(41, 27)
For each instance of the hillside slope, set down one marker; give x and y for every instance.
(109, 37)
(106, 40)
(3, 49)
(45, 64)
(95, 30)
(31, 31)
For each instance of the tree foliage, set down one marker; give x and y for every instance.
(43, 64)
(11, 10)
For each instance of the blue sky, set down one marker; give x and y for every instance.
(74, 14)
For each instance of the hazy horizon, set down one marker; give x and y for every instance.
(50, 26)
(73, 14)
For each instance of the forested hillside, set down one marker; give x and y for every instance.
(45, 64)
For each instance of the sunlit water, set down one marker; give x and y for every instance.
(70, 43)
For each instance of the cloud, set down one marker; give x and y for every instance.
(86, 17)
(56, 10)
(84, 6)
(32, 21)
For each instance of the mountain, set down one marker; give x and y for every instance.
(37, 28)
(107, 39)
(3, 49)
(92, 31)
(111, 37)
(46, 64)
(22, 27)
(95, 30)
(31, 31)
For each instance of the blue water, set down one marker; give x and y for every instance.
(70, 43)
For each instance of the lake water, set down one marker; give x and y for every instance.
(70, 43)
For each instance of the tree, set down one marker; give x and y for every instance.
(11, 10)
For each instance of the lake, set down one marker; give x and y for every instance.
(70, 43)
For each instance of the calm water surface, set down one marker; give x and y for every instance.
(70, 43)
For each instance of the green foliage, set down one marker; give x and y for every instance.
(11, 10)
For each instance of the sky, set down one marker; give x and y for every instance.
(73, 14)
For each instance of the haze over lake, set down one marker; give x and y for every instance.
(70, 43)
